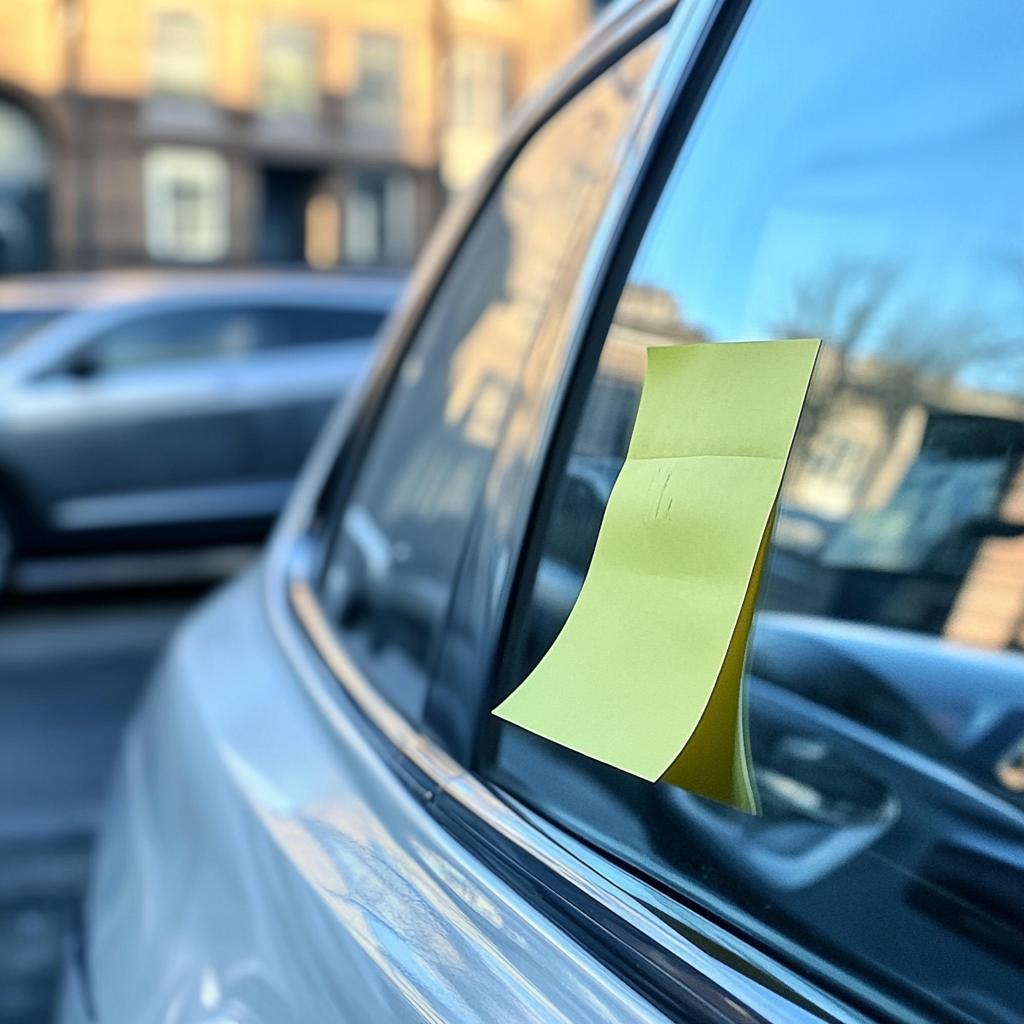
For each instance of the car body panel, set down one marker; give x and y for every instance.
(259, 866)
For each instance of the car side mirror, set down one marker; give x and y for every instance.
(83, 364)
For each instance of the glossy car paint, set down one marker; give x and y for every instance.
(266, 865)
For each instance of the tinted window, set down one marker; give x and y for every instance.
(225, 333)
(17, 326)
(313, 326)
(178, 337)
(390, 574)
(857, 174)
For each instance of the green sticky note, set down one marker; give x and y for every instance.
(647, 673)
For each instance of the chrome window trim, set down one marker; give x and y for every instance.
(310, 642)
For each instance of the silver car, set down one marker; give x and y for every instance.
(149, 410)
(316, 816)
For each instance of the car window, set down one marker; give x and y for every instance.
(856, 174)
(390, 572)
(295, 325)
(178, 337)
(18, 326)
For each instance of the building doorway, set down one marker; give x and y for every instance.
(285, 196)
(25, 171)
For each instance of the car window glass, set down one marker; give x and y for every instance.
(857, 174)
(389, 576)
(19, 326)
(178, 337)
(300, 326)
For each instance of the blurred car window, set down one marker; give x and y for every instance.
(874, 199)
(176, 337)
(390, 573)
(311, 326)
(16, 326)
(201, 334)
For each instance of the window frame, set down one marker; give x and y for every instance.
(206, 170)
(159, 55)
(273, 32)
(697, 971)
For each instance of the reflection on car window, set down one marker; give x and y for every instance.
(298, 326)
(224, 333)
(390, 574)
(178, 337)
(874, 199)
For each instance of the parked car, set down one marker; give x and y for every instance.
(317, 818)
(142, 411)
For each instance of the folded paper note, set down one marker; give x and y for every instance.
(647, 673)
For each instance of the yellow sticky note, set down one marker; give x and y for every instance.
(647, 673)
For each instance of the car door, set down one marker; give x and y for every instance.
(138, 425)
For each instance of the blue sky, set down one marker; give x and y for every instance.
(869, 132)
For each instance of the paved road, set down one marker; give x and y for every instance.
(70, 674)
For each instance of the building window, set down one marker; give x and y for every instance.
(376, 101)
(290, 85)
(380, 219)
(477, 98)
(179, 55)
(186, 192)
(477, 87)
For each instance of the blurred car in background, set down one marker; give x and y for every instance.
(152, 411)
